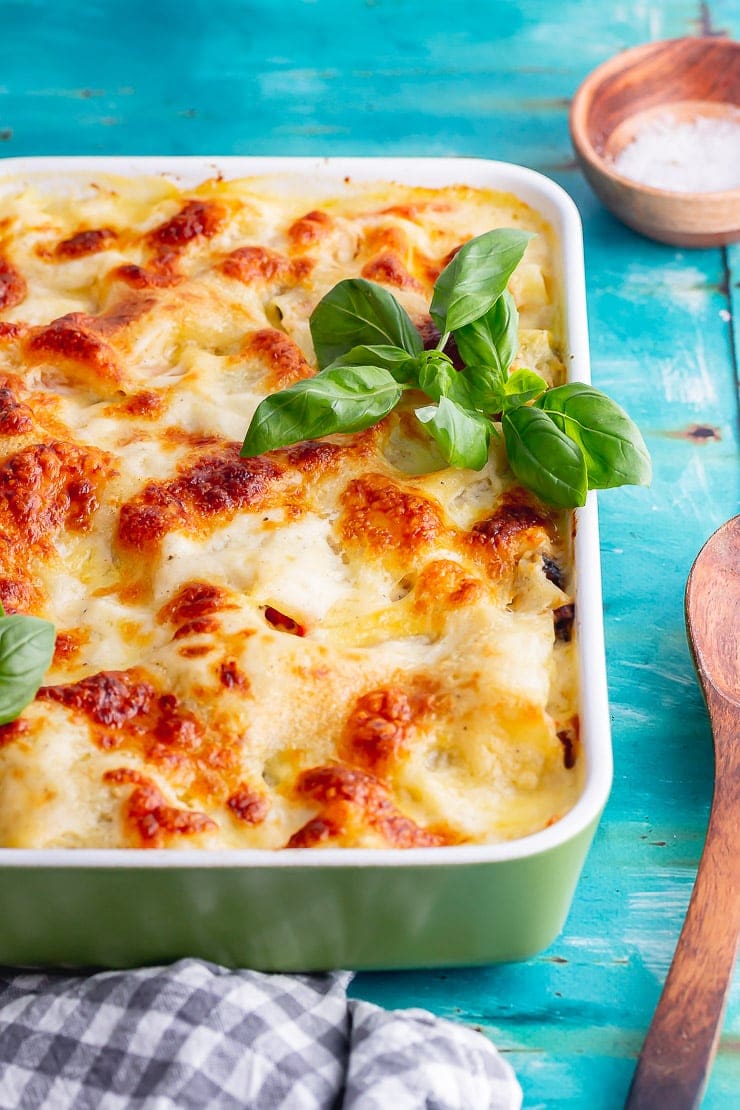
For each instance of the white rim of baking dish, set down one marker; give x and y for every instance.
(557, 207)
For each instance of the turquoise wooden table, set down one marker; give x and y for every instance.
(430, 77)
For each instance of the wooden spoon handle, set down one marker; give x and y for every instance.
(682, 1040)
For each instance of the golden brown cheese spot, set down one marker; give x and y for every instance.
(415, 212)
(72, 343)
(314, 458)
(126, 711)
(434, 267)
(194, 601)
(87, 242)
(282, 358)
(17, 595)
(13, 730)
(330, 827)
(351, 801)
(248, 806)
(388, 269)
(517, 526)
(309, 230)
(256, 265)
(380, 514)
(121, 315)
(231, 676)
(139, 277)
(444, 584)
(212, 489)
(388, 238)
(148, 815)
(13, 288)
(111, 699)
(380, 726)
(47, 486)
(175, 436)
(198, 219)
(201, 627)
(391, 255)
(11, 332)
(16, 418)
(147, 404)
(68, 645)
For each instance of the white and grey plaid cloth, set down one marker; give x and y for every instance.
(197, 1035)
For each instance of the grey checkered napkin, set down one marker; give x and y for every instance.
(198, 1035)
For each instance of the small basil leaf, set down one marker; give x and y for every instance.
(615, 451)
(522, 386)
(435, 373)
(486, 385)
(438, 378)
(544, 459)
(494, 338)
(476, 277)
(346, 399)
(26, 651)
(462, 436)
(395, 360)
(360, 313)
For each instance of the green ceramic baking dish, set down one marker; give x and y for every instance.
(317, 909)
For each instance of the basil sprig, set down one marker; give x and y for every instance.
(560, 442)
(26, 651)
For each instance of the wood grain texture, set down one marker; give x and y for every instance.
(489, 80)
(679, 1049)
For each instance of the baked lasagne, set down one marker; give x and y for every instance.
(338, 644)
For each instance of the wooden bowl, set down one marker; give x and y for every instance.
(689, 77)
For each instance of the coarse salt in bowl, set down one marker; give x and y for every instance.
(657, 134)
(699, 154)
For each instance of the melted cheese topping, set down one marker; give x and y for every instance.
(339, 643)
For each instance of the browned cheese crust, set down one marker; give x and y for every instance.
(337, 644)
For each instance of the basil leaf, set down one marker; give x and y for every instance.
(26, 651)
(544, 459)
(358, 312)
(395, 360)
(494, 338)
(462, 436)
(438, 378)
(486, 387)
(346, 399)
(435, 374)
(615, 451)
(476, 277)
(522, 386)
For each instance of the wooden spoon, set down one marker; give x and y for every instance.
(679, 1049)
